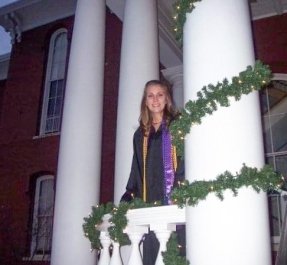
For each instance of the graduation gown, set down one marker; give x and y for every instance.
(155, 188)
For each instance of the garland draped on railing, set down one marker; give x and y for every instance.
(118, 221)
(186, 194)
(172, 254)
(93, 220)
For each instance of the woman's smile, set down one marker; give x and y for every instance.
(156, 99)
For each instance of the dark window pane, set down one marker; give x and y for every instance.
(275, 214)
(273, 101)
(51, 108)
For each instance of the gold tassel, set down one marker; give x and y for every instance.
(144, 167)
(174, 158)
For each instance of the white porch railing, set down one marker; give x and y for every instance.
(162, 220)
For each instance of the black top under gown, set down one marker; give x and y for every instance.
(155, 189)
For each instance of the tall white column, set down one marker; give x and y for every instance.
(218, 44)
(78, 176)
(139, 64)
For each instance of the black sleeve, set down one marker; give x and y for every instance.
(134, 185)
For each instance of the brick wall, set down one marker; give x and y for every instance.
(270, 37)
(23, 154)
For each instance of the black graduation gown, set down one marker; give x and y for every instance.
(154, 182)
(154, 168)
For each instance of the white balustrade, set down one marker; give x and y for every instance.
(105, 251)
(162, 220)
(135, 234)
(105, 241)
(116, 258)
(162, 236)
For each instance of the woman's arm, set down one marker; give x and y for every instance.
(134, 185)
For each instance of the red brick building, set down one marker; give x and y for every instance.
(31, 102)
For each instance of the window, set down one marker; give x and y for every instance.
(43, 217)
(274, 113)
(54, 84)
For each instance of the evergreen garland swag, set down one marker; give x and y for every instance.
(117, 219)
(186, 194)
(93, 220)
(181, 7)
(212, 96)
(172, 256)
(265, 179)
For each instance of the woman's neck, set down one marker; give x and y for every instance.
(156, 121)
(157, 118)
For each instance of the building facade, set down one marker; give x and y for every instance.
(32, 96)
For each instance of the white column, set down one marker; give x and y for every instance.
(139, 64)
(218, 44)
(175, 77)
(78, 176)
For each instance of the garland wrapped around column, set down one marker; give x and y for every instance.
(260, 180)
(212, 96)
(181, 7)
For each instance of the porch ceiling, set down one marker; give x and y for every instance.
(24, 15)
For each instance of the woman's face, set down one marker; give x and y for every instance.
(156, 99)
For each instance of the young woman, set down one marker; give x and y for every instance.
(155, 167)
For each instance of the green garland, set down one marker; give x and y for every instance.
(120, 221)
(93, 220)
(265, 179)
(181, 7)
(213, 95)
(172, 256)
(186, 194)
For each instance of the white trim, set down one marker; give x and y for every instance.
(279, 76)
(5, 57)
(38, 258)
(4, 66)
(283, 202)
(35, 13)
(45, 135)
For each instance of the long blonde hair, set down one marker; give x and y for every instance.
(169, 113)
